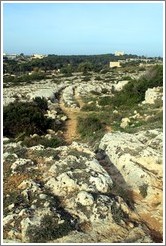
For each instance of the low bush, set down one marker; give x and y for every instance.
(41, 102)
(143, 190)
(86, 79)
(89, 127)
(105, 91)
(98, 78)
(96, 93)
(52, 142)
(25, 78)
(117, 214)
(106, 100)
(134, 92)
(49, 229)
(89, 107)
(27, 118)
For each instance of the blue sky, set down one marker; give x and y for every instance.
(83, 28)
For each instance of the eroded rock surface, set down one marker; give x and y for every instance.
(70, 189)
(134, 162)
(73, 194)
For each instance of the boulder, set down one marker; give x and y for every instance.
(124, 122)
(153, 95)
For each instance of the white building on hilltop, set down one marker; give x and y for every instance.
(115, 64)
(38, 56)
(119, 53)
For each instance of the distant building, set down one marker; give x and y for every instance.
(115, 64)
(38, 56)
(119, 53)
(10, 57)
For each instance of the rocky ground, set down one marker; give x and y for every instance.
(78, 193)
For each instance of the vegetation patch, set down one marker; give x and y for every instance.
(90, 107)
(117, 213)
(134, 92)
(90, 128)
(79, 154)
(25, 118)
(52, 142)
(49, 229)
(15, 80)
(143, 190)
(106, 100)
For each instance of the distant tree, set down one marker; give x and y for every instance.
(67, 70)
(85, 67)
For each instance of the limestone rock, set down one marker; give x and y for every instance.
(153, 95)
(125, 122)
(135, 164)
(21, 162)
(85, 198)
(119, 86)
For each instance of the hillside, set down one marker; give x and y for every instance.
(83, 155)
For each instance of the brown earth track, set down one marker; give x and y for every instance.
(70, 132)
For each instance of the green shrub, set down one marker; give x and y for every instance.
(52, 142)
(27, 118)
(126, 78)
(117, 213)
(89, 107)
(143, 190)
(134, 92)
(105, 101)
(49, 229)
(98, 78)
(89, 126)
(25, 78)
(96, 93)
(142, 69)
(105, 91)
(86, 79)
(41, 103)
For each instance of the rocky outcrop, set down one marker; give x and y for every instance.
(153, 95)
(134, 162)
(72, 194)
(28, 92)
(69, 195)
(68, 97)
(119, 86)
(124, 122)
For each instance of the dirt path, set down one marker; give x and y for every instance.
(70, 133)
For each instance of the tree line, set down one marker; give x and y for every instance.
(65, 63)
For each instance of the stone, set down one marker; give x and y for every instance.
(119, 86)
(64, 118)
(85, 198)
(124, 122)
(42, 196)
(115, 111)
(21, 162)
(152, 95)
(25, 223)
(11, 206)
(8, 219)
(5, 139)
